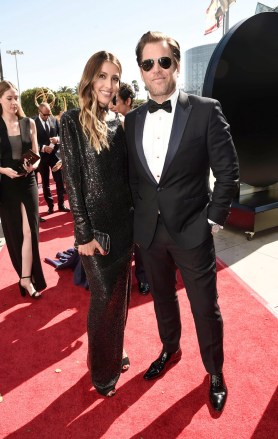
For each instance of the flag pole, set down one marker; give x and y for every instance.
(226, 19)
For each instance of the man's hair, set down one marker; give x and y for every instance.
(155, 37)
(125, 92)
(44, 105)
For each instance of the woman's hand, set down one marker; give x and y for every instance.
(11, 173)
(28, 167)
(91, 248)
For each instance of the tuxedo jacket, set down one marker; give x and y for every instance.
(200, 139)
(43, 138)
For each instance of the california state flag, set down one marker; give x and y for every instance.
(215, 13)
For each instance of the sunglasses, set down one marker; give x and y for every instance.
(46, 115)
(165, 62)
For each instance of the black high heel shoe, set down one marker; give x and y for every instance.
(24, 291)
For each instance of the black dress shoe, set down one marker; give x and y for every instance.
(64, 209)
(42, 220)
(217, 392)
(50, 210)
(143, 288)
(160, 366)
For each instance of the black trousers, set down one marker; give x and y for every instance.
(44, 169)
(198, 270)
(139, 266)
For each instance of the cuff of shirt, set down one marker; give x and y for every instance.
(212, 223)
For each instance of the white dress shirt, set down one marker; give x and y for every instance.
(44, 122)
(156, 136)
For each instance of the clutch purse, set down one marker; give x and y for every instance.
(29, 157)
(103, 239)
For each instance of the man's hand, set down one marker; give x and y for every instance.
(215, 228)
(54, 140)
(48, 149)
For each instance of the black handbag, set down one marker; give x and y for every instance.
(103, 239)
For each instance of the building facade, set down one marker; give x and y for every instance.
(196, 62)
(264, 8)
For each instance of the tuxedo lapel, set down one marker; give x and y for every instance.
(41, 133)
(183, 109)
(40, 126)
(139, 129)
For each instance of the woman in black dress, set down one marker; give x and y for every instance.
(19, 192)
(95, 170)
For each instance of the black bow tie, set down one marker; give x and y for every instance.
(154, 106)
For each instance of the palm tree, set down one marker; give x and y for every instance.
(66, 89)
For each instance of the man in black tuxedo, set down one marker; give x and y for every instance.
(173, 141)
(122, 105)
(49, 142)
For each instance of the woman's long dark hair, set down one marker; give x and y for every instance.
(92, 114)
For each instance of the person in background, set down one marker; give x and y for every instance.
(49, 143)
(94, 160)
(173, 141)
(123, 103)
(19, 192)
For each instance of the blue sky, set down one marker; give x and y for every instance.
(58, 36)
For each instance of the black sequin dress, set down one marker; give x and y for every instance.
(99, 197)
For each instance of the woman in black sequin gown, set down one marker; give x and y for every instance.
(95, 171)
(19, 194)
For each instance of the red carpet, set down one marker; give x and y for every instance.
(40, 337)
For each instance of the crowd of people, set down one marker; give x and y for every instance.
(138, 182)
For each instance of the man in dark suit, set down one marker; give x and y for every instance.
(122, 104)
(173, 141)
(49, 142)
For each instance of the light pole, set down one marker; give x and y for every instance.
(16, 52)
(1, 67)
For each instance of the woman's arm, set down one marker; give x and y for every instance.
(35, 148)
(71, 154)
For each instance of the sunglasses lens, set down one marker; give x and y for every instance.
(147, 64)
(165, 62)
